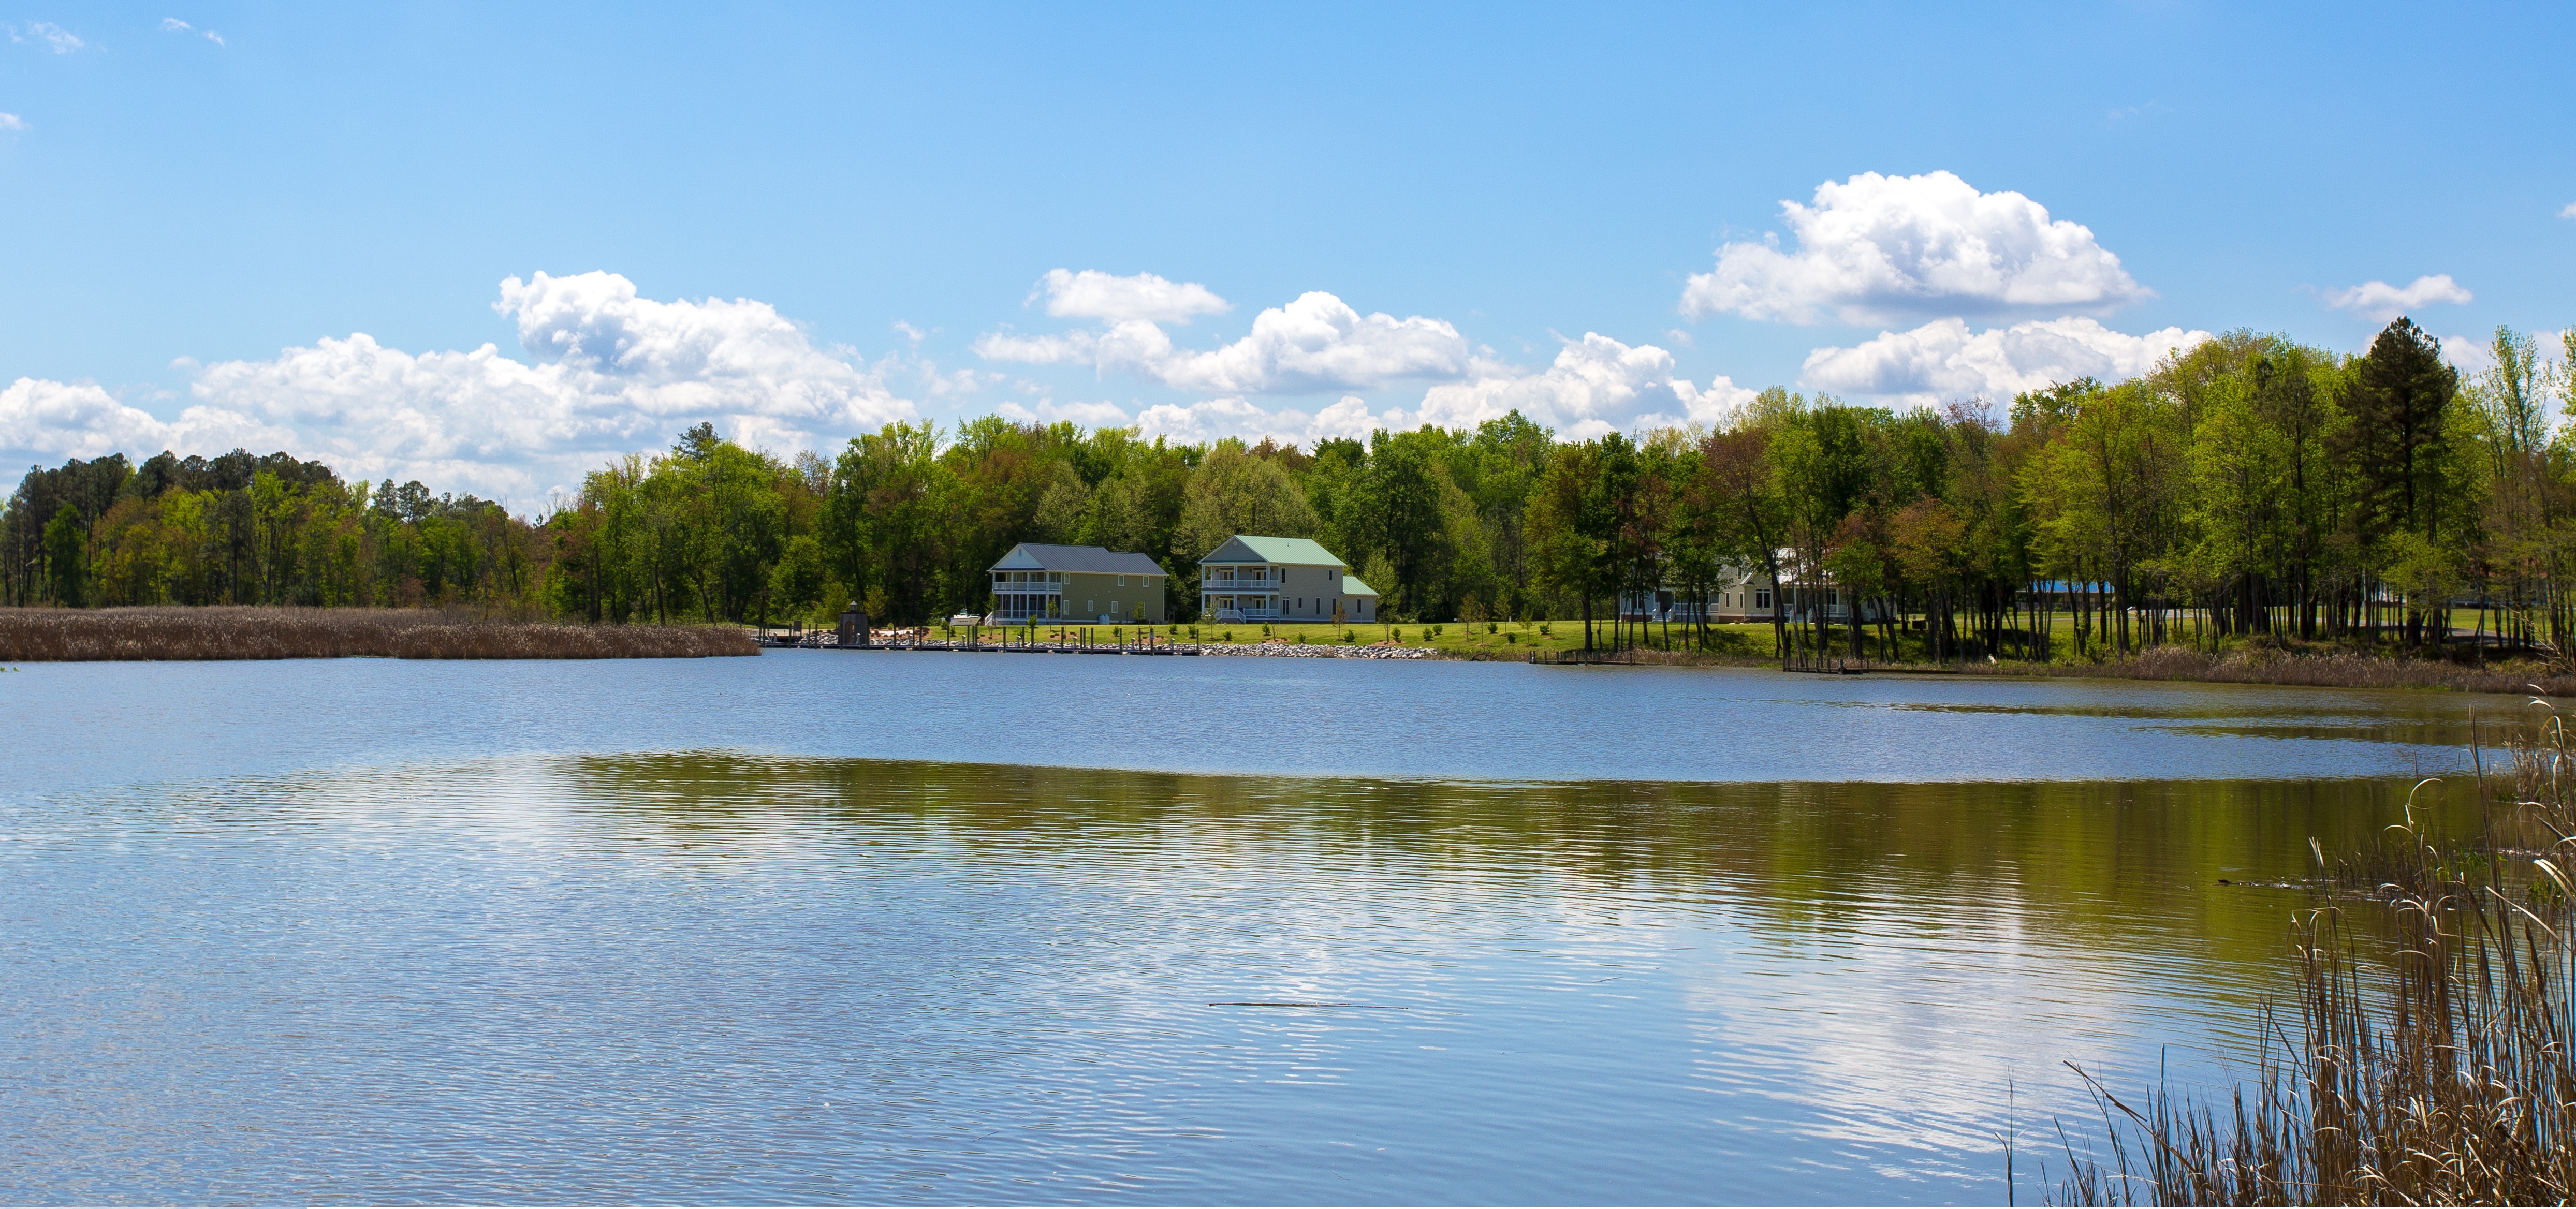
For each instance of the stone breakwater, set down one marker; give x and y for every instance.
(1293, 650)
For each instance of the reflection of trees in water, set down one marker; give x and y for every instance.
(2092, 865)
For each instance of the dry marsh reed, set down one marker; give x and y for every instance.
(2339, 669)
(257, 632)
(2430, 1059)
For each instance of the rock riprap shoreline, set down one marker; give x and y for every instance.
(1298, 650)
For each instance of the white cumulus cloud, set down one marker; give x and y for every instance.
(11, 121)
(1943, 360)
(610, 373)
(1103, 414)
(2569, 212)
(2381, 302)
(1595, 385)
(1233, 416)
(1880, 249)
(1314, 344)
(1092, 294)
(47, 421)
(2468, 354)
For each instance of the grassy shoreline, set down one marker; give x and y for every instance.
(2313, 666)
(224, 632)
(2337, 669)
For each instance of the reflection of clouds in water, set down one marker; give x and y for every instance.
(1881, 1016)
(1909, 1038)
(1618, 990)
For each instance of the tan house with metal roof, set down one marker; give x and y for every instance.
(1287, 579)
(1037, 582)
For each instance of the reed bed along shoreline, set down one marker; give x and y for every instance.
(2334, 670)
(268, 632)
(2298, 670)
(2420, 1054)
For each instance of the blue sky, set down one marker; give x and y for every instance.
(1440, 205)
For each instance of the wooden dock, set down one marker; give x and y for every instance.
(826, 640)
(1819, 666)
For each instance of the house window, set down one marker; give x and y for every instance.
(1122, 581)
(1761, 598)
(1086, 606)
(1113, 608)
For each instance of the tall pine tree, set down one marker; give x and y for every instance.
(2400, 407)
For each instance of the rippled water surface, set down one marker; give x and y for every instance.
(883, 927)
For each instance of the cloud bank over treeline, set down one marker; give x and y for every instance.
(1972, 295)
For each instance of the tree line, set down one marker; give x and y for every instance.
(2250, 485)
(241, 529)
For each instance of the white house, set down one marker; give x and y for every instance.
(1287, 579)
(1744, 594)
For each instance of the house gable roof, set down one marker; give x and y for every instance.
(1353, 585)
(1086, 560)
(1292, 551)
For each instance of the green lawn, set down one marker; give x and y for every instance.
(1504, 639)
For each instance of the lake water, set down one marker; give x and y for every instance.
(897, 927)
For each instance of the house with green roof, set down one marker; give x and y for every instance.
(1286, 579)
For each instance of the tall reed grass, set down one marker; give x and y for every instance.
(252, 632)
(2317, 669)
(2430, 1062)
